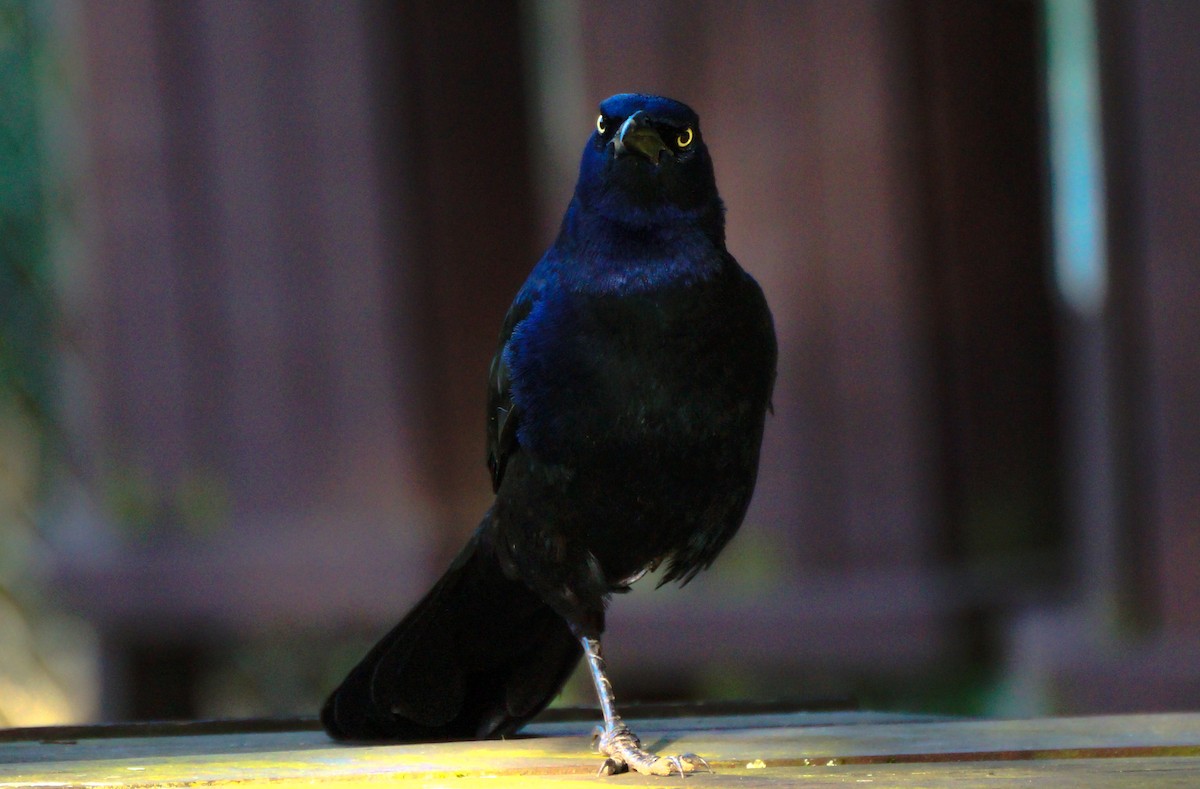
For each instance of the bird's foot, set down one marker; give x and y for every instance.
(623, 751)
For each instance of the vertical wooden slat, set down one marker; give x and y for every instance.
(253, 248)
(1166, 232)
(991, 325)
(205, 340)
(472, 222)
(142, 387)
(883, 451)
(371, 432)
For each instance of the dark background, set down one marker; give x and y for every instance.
(276, 241)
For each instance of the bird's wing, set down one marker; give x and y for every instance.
(751, 320)
(503, 415)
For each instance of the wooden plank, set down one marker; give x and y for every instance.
(771, 750)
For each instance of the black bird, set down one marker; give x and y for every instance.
(625, 413)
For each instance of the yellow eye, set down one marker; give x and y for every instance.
(601, 126)
(685, 139)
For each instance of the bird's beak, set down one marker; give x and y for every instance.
(637, 136)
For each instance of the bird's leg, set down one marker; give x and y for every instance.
(621, 746)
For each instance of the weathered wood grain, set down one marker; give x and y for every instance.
(815, 749)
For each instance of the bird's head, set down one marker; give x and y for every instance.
(646, 163)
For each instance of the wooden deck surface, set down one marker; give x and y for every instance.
(802, 749)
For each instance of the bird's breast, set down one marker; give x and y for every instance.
(649, 375)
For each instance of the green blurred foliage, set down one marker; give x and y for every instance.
(46, 659)
(26, 304)
(197, 503)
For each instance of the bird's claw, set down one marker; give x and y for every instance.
(624, 752)
(686, 763)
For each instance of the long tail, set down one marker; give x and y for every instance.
(476, 658)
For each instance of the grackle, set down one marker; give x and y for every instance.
(625, 413)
